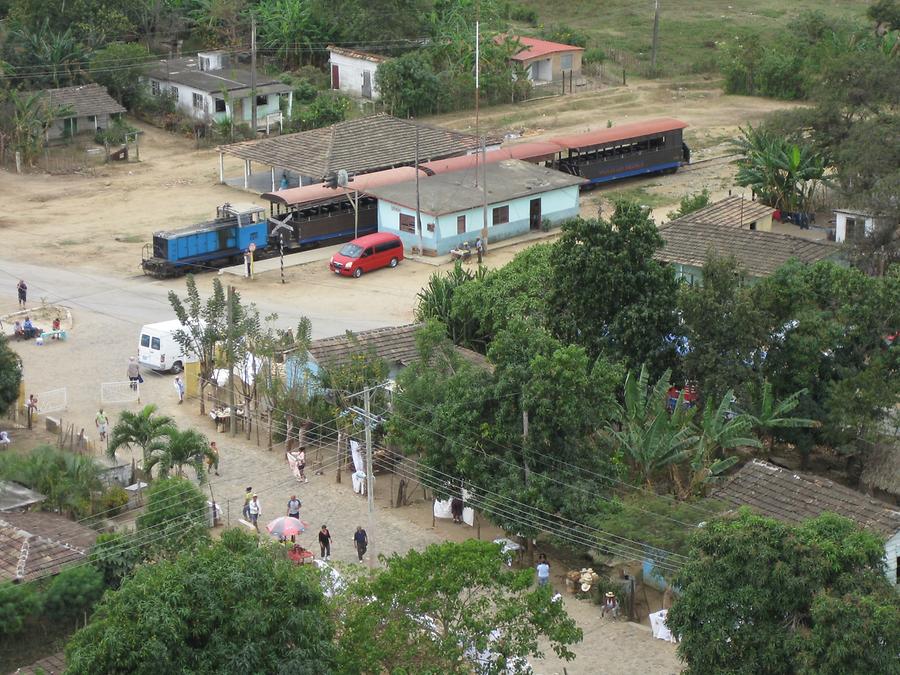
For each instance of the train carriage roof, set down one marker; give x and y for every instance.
(309, 195)
(534, 151)
(620, 132)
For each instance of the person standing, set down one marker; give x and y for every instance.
(255, 511)
(102, 423)
(31, 408)
(212, 460)
(301, 465)
(361, 541)
(134, 373)
(22, 289)
(179, 387)
(248, 496)
(293, 511)
(543, 572)
(325, 542)
(479, 249)
(456, 509)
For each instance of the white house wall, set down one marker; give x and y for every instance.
(556, 205)
(840, 224)
(350, 74)
(185, 102)
(891, 552)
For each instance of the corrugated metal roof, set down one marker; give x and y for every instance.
(794, 497)
(319, 192)
(359, 146)
(619, 132)
(85, 100)
(759, 253)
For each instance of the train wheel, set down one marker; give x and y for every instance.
(357, 273)
(394, 262)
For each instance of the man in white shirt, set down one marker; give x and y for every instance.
(543, 572)
(255, 511)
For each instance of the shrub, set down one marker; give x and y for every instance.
(113, 501)
(73, 592)
(176, 517)
(115, 556)
(566, 35)
(115, 133)
(690, 203)
(524, 14)
(593, 55)
(18, 602)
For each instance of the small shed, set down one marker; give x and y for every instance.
(546, 61)
(758, 252)
(852, 225)
(793, 497)
(16, 497)
(520, 197)
(90, 109)
(353, 71)
(38, 544)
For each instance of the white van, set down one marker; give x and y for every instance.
(158, 349)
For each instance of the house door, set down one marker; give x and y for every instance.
(534, 218)
(460, 224)
(367, 84)
(335, 76)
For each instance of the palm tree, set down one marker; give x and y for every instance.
(651, 437)
(180, 449)
(769, 415)
(143, 430)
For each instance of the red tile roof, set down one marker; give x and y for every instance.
(534, 48)
(620, 132)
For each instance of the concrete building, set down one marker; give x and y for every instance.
(353, 72)
(546, 61)
(86, 109)
(520, 196)
(210, 88)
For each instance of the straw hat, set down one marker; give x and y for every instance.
(610, 594)
(585, 588)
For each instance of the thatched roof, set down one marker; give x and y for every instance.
(882, 469)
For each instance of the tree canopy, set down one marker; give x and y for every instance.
(759, 596)
(448, 607)
(10, 375)
(226, 608)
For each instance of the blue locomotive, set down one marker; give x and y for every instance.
(209, 244)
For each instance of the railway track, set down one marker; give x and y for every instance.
(709, 161)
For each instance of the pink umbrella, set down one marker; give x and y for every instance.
(285, 526)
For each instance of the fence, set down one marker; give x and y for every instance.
(52, 401)
(120, 392)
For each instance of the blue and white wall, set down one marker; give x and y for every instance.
(556, 205)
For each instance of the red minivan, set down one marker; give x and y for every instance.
(368, 253)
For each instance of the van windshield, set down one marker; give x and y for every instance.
(351, 250)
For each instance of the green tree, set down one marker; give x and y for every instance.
(73, 593)
(287, 29)
(784, 173)
(435, 302)
(144, 430)
(181, 448)
(408, 84)
(608, 294)
(328, 108)
(10, 375)
(66, 478)
(176, 517)
(58, 56)
(768, 415)
(205, 326)
(119, 67)
(219, 609)
(115, 555)
(18, 602)
(759, 596)
(26, 117)
(441, 607)
(723, 328)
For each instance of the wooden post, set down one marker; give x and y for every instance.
(340, 445)
(247, 164)
(221, 168)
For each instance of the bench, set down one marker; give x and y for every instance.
(60, 334)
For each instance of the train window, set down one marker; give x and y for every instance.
(145, 340)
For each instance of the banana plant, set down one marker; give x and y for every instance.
(770, 414)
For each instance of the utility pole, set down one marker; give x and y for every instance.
(253, 72)
(484, 227)
(529, 547)
(370, 475)
(418, 210)
(230, 360)
(655, 39)
(477, 73)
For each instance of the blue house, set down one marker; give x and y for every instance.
(520, 196)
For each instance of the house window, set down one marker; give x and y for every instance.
(198, 101)
(898, 571)
(262, 100)
(501, 215)
(565, 62)
(154, 87)
(173, 91)
(430, 227)
(220, 105)
(407, 223)
(460, 224)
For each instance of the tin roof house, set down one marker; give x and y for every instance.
(520, 197)
(209, 87)
(87, 108)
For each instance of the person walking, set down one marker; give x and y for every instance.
(31, 408)
(22, 289)
(255, 511)
(293, 511)
(361, 541)
(325, 542)
(543, 572)
(301, 465)
(179, 387)
(248, 496)
(102, 424)
(134, 373)
(212, 460)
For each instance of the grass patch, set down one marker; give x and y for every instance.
(641, 194)
(688, 33)
(69, 242)
(130, 238)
